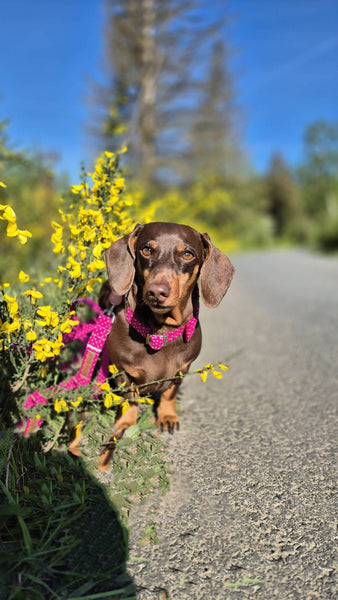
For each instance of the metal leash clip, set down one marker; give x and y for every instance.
(109, 312)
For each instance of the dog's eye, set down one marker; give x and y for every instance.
(146, 251)
(188, 255)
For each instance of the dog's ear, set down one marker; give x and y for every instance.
(216, 274)
(120, 258)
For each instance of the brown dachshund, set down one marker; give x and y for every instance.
(156, 335)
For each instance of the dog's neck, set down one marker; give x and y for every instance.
(176, 317)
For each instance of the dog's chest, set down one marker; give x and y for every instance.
(144, 366)
(131, 354)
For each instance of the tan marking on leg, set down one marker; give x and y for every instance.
(73, 447)
(166, 412)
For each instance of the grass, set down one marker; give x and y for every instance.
(64, 533)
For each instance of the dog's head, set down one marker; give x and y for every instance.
(165, 260)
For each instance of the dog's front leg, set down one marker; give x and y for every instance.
(167, 418)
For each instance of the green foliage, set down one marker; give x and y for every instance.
(60, 536)
(31, 190)
(283, 203)
(318, 177)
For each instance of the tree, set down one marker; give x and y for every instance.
(281, 194)
(214, 135)
(319, 173)
(161, 61)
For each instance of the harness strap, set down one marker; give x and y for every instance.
(96, 343)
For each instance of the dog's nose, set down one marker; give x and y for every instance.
(158, 291)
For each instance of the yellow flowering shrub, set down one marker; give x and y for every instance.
(35, 315)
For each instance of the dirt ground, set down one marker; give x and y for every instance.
(251, 509)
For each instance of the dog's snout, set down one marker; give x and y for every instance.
(158, 291)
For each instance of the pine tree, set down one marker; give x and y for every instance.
(282, 195)
(214, 135)
(160, 81)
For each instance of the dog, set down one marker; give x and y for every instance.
(152, 278)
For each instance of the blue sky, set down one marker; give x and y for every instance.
(285, 69)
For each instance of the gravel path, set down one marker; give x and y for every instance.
(250, 512)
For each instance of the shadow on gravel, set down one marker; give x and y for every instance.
(60, 536)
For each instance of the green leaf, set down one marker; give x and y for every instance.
(132, 432)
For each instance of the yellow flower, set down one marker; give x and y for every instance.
(96, 265)
(9, 328)
(105, 387)
(119, 182)
(77, 402)
(57, 238)
(23, 277)
(57, 345)
(89, 234)
(204, 375)
(74, 231)
(72, 249)
(125, 407)
(43, 372)
(111, 399)
(8, 213)
(2, 184)
(78, 429)
(75, 272)
(50, 317)
(216, 374)
(144, 399)
(210, 368)
(12, 228)
(108, 401)
(91, 282)
(33, 294)
(22, 236)
(76, 189)
(46, 349)
(31, 336)
(98, 250)
(60, 406)
(43, 349)
(113, 369)
(117, 399)
(68, 325)
(12, 304)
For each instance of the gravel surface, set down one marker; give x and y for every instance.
(251, 509)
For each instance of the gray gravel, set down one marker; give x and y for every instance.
(251, 509)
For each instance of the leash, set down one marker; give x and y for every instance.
(99, 329)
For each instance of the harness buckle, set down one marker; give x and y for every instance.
(163, 338)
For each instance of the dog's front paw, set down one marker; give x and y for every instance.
(168, 422)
